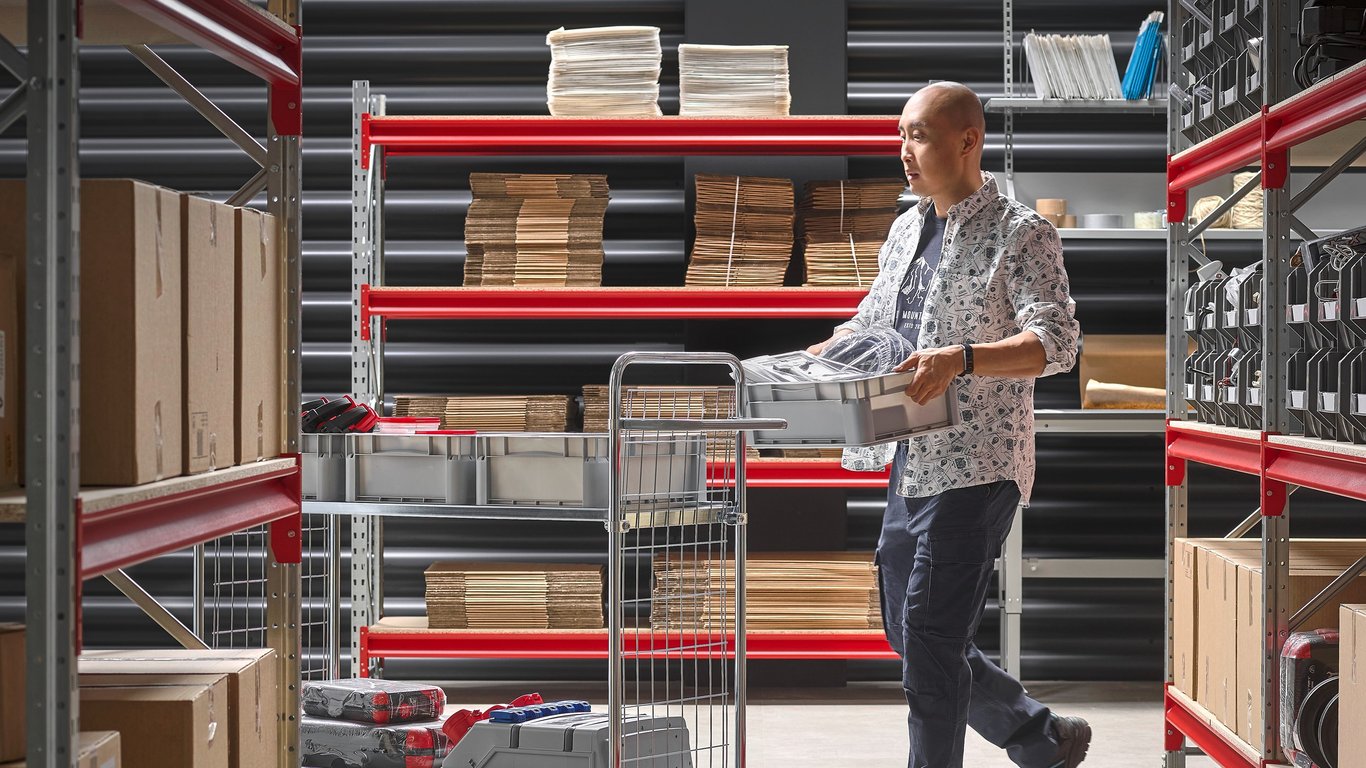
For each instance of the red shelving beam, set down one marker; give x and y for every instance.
(236, 31)
(1182, 723)
(592, 644)
(669, 303)
(1333, 472)
(672, 135)
(1267, 137)
(132, 533)
(1240, 452)
(808, 473)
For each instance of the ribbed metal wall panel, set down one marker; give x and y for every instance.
(1096, 496)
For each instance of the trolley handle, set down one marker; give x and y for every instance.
(701, 425)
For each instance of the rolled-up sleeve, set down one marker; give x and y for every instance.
(1037, 283)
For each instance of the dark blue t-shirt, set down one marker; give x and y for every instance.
(910, 299)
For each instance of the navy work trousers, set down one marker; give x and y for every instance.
(935, 559)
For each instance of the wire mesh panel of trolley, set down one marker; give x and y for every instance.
(676, 676)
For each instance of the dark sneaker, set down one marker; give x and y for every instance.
(1074, 738)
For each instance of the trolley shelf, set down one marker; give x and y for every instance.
(1327, 106)
(456, 511)
(1186, 718)
(667, 303)
(121, 527)
(670, 135)
(410, 638)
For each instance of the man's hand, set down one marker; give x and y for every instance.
(816, 349)
(934, 370)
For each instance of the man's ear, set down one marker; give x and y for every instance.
(972, 140)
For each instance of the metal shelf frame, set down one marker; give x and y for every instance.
(1280, 462)
(377, 135)
(72, 537)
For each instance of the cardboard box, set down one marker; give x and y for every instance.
(162, 720)
(209, 286)
(253, 713)
(1312, 567)
(259, 332)
(11, 372)
(12, 693)
(1225, 612)
(1352, 687)
(131, 415)
(1131, 359)
(1184, 608)
(94, 749)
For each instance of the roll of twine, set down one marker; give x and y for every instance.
(1205, 206)
(1247, 213)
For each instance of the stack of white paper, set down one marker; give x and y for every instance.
(1073, 66)
(604, 71)
(733, 80)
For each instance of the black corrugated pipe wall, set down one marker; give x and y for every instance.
(1096, 496)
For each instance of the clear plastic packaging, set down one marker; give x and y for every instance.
(875, 350)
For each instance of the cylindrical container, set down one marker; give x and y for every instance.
(1148, 219)
(1069, 221)
(1102, 221)
(1051, 205)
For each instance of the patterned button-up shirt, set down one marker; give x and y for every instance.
(1001, 273)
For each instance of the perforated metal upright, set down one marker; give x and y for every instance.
(68, 541)
(1285, 121)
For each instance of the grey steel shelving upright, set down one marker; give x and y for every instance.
(1281, 461)
(71, 536)
(1011, 588)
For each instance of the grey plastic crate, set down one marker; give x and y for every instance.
(432, 469)
(323, 473)
(847, 413)
(572, 470)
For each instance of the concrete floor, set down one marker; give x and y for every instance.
(864, 724)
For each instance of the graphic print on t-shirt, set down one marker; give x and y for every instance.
(910, 303)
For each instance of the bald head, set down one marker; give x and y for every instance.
(954, 103)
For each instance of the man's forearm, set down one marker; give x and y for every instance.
(1021, 356)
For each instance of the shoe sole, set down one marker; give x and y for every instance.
(1078, 746)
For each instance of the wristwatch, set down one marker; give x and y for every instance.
(967, 359)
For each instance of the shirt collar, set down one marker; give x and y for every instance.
(972, 203)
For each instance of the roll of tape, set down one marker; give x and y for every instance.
(1051, 205)
(1148, 219)
(1103, 221)
(1069, 221)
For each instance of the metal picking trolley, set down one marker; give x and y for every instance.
(676, 566)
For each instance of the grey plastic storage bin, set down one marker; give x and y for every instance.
(572, 470)
(323, 473)
(432, 469)
(846, 413)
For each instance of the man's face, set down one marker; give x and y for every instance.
(930, 149)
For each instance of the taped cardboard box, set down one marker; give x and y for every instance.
(258, 350)
(1225, 611)
(1184, 608)
(253, 713)
(12, 693)
(11, 347)
(1135, 363)
(94, 749)
(1352, 687)
(1313, 566)
(162, 720)
(130, 326)
(209, 231)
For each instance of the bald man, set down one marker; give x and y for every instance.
(976, 281)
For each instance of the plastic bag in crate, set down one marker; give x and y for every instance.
(369, 700)
(342, 744)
